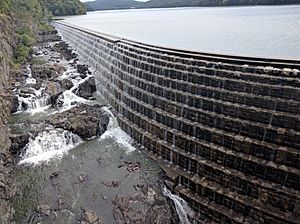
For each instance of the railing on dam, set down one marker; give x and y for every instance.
(226, 129)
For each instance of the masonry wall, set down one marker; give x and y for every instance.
(226, 129)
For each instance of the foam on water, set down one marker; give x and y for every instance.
(116, 133)
(29, 79)
(181, 206)
(49, 144)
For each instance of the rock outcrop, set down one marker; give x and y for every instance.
(87, 88)
(6, 53)
(84, 120)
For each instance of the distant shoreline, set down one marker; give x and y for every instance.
(191, 7)
(92, 6)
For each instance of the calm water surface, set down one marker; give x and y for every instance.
(268, 31)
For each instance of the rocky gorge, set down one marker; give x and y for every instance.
(55, 108)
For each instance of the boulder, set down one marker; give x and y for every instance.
(66, 84)
(44, 209)
(90, 217)
(18, 142)
(53, 87)
(47, 71)
(84, 120)
(64, 49)
(24, 106)
(54, 99)
(87, 88)
(83, 70)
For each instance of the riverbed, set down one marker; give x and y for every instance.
(63, 177)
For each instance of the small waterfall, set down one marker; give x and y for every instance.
(29, 79)
(70, 99)
(48, 144)
(116, 133)
(113, 122)
(181, 206)
(33, 101)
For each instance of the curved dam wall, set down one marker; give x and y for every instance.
(225, 129)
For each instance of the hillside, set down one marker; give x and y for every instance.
(113, 4)
(126, 4)
(64, 7)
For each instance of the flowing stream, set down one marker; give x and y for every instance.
(58, 169)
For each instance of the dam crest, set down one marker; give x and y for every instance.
(226, 129)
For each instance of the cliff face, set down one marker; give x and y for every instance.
(6, 53)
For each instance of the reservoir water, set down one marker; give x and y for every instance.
(261, 31)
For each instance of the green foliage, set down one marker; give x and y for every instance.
(64, 7)
(38, 61)
(45, 26)
(25, 40)
(21, 53)
(5, 6)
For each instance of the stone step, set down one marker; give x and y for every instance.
(276, 158)
(199, 168)
(216, 78)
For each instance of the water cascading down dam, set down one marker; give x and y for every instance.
(226, 129)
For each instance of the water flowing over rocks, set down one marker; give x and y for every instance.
(69, 148)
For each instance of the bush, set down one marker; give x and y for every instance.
(25, 40)
(21, 53)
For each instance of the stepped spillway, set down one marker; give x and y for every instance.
(226, 129)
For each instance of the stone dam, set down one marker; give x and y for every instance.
(226, 129)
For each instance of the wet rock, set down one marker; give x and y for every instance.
(53, 87)
(66, 84)
(103, 196)
(139, 207)
(84, 120)
(14, 104)
(27, 91)
(64, 49)
(83, 70)
(54, 99)
(87, 88)
(60, 202)
(48, 36)
(91, 217)
(82, 178)
(24, 106)
(113, 183)
(44, 209)
(18, 142)
(47, 71)
(54, 174)
(133, 166)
